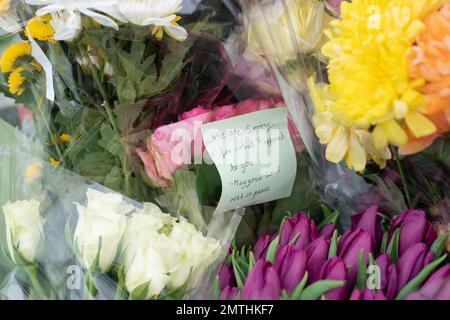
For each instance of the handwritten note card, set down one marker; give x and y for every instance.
(254, 155)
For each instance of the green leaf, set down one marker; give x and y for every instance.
(317, 289)
(297, 293)
(334, 244)
(438, 246)
(140, 293)
(362, 272)
(384, 242)
(415, 283)
(392, 249)
(331, 219)
(272, 251)
(326, 210)
(238, 273)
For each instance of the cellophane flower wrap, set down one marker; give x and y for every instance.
(371, 78)
(88, 84)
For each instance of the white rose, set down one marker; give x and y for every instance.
(147, 263)
(24, 228)
(196, 252)
(100, 228)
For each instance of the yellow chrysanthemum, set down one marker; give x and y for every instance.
(4, 6)
(16, 81)
(33, 171)
(40, 28)
(65, 138)
(353, 144)
(368, 68)
(14, 52)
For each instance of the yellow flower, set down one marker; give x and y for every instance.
(14, 52)
(16, 81)
(40, 28)
(53, 161)
(33, 171)
(65, 138)
(353, 144)
(368, 68)
(4, 6)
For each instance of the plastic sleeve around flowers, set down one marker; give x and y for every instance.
(289, 35)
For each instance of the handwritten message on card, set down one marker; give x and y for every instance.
(254, 155)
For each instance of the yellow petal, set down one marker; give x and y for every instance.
(338, 146)
(356, 157)
(380, 138)
(394, 132)
(419, 125)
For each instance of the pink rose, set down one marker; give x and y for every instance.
(193, 113)
(225, 112)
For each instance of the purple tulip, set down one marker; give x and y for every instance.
(367, 294)
(349, 250)
(290, 265)
(299, 226)
(389, 276)
(261, 247)
(262, 283)
(414, 228)
(437, 286)
(317, 253)
(229, 293)
(369, 221)
(328, 231)
(334, 269)
(412, 262)
(226, 276)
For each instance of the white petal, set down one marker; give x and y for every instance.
(177, 32)
(102, 19)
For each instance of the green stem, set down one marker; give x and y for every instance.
(112, 120)
(402, 176)
(32, 272)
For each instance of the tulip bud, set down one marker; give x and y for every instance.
(334, 269)
(412, 262)
(261, 247)
(290, 265)
(226, 276)
(24, 228)
(414, 228)
(328, 231)
(437, 286)
(299, 226)
(369, 221)
(367, 294)
(229, 293)
(349, 249)
(262, 283)
(317, 253)
(389, 276)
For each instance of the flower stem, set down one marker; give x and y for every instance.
(32, 272)
(402, 176)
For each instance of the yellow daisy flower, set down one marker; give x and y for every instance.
(65, 138)
(16, 81)
(40, 28)
(368, 68)
(14, 52)
(53, 161)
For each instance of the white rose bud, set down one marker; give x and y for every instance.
(100, 228)
(24, 228)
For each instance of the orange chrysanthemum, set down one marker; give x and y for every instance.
(429, 59)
